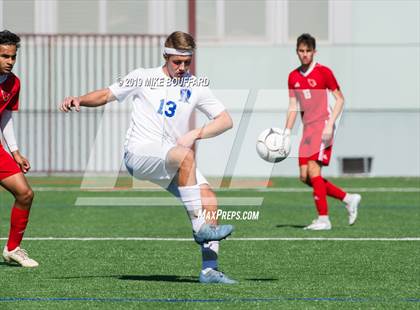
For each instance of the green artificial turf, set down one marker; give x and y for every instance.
(272, 274)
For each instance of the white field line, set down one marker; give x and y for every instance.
(229, 239)
(161, 201)
(349, 189)
(257, 189)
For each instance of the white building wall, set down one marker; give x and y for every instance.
(376, 60)
(372, 46)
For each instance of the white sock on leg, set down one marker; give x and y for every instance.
(323, 218)
(213, 245)
(209, 253)
(348, 198)
(191, 198)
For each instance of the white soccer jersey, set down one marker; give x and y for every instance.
(161, 110)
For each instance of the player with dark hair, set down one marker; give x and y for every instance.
(158, 144)
(12, 168)
(9, 38)
(308, 93)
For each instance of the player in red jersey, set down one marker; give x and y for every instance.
(309, 85)
(12, 168)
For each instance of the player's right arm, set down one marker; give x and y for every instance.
(292, 109)
(93, 99)
(291, 113)
(117, 91)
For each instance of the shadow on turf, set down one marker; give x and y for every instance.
(167, 278)
(262, 279)
(160, 278)
(290, 226)
(8, 264)
(152, 278)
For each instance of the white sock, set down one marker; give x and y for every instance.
(209, 254)
(323, 218)
(348, 198)
(191, 198)
(213, 245)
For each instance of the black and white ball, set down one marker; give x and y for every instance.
(273, 145)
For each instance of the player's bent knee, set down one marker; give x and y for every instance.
(314, 169)
(304, 178)
(181, 156)
(187, 159)
(189, 156)
(25, 197)
(313, 173)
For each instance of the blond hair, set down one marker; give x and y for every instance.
(180, 41)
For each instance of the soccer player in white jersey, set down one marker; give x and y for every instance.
(159, 143)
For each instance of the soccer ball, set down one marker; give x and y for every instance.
(272, 145)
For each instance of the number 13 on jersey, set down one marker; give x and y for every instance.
(169, 108)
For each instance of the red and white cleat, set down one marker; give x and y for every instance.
(19, 256)
(352, 207)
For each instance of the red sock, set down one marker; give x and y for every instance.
(18, 222)
(334, 191)
(320, 195)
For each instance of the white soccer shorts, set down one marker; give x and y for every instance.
(148, 162)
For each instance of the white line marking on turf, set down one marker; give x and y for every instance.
(327, 239)
(161, 201)
(258, 189)
(350, 189)
(229, 239)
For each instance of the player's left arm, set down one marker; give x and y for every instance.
(6, 125)
(328, 132)
(217, 126)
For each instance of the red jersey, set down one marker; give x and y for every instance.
(310, 89)
(9, 93)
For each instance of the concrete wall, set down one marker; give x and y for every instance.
(378, 68)
(374, 50)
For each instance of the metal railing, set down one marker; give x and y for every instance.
(51, 67)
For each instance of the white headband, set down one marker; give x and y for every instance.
(173, 51)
